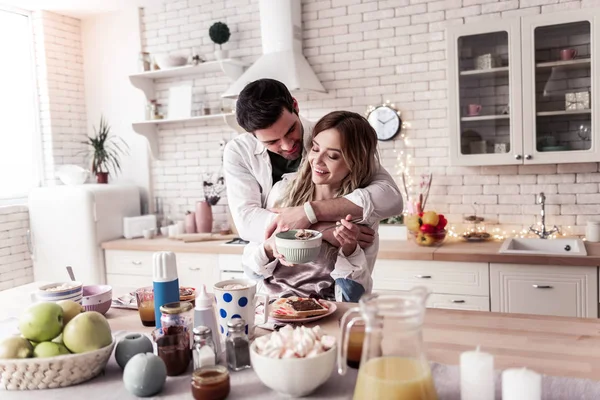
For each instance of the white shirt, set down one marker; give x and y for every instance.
(247, 168)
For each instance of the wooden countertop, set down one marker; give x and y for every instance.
(451, 250)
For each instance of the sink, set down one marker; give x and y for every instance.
(563, 247)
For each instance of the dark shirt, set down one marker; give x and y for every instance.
(281, 165)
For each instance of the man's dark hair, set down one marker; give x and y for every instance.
(261, 103)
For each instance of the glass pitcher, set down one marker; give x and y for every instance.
(393, 363)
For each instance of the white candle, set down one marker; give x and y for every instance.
(476, 375)
(521, 384)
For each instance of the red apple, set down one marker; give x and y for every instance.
(442, 223)
(426, 228)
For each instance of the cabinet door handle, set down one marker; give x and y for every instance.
(423, 276)
(458, 301)
(528, 156)
(517, 157)
(193, 268)
(542, 286)
(136, 262)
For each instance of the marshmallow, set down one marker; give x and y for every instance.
(295, 343)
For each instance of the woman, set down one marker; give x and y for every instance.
(343, 157)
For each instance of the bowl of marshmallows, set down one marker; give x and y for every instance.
(294, 362)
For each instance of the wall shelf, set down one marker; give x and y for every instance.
(484, 118)
(578, 63)
(489, 71)
(144, 81)
(562, 112)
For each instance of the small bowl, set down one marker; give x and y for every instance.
(294, 377)
(429, 239)
(191, 297)
(149, 233)
(97, 298)
(166, 61)
(298, 251)
(71, 290)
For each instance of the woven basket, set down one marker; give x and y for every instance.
(53, 372)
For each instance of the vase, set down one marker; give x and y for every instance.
(102, 177)
(204, 217)
(190, 222)
(221, 54)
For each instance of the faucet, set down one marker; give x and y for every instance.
(543, 233)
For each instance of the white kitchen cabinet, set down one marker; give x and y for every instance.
(544, 290)
(509, 82)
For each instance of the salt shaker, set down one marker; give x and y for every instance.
(204, 348)
(237, 345)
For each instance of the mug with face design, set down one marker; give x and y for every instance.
(236, 298)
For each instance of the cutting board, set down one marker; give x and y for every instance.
(203, 237)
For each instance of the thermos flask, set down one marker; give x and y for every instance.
(165, 281)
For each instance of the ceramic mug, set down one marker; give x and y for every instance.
(236, 298)
(568, 54)
(478, 147)
(474, 109)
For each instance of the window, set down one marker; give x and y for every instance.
(19, 138)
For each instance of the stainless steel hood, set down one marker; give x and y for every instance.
(282, 59)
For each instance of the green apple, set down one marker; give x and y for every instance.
(413, 223)
(58, 339)
(87, 332)
(41, 322)
(49, 349)
(70, 310)
(15, 347)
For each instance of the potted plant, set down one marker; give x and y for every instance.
(105, 151)
(393, 228)
(219, 33)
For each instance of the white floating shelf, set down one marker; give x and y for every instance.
(578, 63)
(564, 112)
(149, 128)
(485, 118)
(228, 66)
(489, 71)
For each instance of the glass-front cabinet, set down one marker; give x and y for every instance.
(560, 108)
(522, 91)
(485, 93)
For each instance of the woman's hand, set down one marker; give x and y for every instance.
(347, 234)
(272, 253)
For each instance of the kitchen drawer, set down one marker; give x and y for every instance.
(451, 301)
(128, 281)
(125, 262)
(226, 275)
(439, 276)
(544, 290)
(196, 269)
(230, 262)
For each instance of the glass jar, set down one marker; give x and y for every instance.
(203, 350)
(237, 345)
(176, 317)
(210, 383)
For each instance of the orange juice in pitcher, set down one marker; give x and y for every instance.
(393, 363)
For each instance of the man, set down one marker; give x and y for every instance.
(274, 146)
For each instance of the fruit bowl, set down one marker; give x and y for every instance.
(53, 372)
(429, 239)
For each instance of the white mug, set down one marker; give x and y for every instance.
(172, 231)
(180, 227)
(238, 303)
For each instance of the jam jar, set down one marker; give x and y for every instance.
(210, 383)
(177, 317)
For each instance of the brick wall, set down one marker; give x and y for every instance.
(59, 65)
(364, 52)
(16, 267)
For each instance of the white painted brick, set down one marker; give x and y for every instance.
(537, 169)
(394, 22)
(517, 199)
(411, 10)
(589, 199)
(347, 19)
(362, 8)
(572, 5)
(534, 3)
(578, 188)
(426, 37)
(559, 178)
(333, 12)
(340, 3)
(590, 3)
(364, 27)
(584, 178)
(465, 189)
(378, 15)
(521, 13)
(579, 209)
(463, 12)
(501, 189)
(534, 189)
(441, 5)
(583, 167)
(502, 209)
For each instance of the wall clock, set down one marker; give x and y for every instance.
(386, 121)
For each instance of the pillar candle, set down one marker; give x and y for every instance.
(476, 375)
(521, 384)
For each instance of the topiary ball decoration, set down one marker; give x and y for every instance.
(219, 33)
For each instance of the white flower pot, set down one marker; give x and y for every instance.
(221, 54)
(392, 232)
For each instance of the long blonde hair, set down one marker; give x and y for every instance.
(359, 151)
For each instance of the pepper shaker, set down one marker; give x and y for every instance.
(237, 345)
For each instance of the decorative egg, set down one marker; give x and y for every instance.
(130, 345)
(144, 375)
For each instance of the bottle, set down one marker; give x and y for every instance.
(204, 315)
(165, 281)
(237, 345)
(203, 350)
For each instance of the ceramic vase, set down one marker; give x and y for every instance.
(221, 54)
(102, 177)
(190, 222)
(204, 217)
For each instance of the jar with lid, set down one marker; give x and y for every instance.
(210, 383)
(176, 317)
(203, 350)
(592, 231)
(237, 345)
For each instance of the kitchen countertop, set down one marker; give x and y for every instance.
(451, 250)
(557, 346)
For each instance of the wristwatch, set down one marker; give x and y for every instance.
(310, 213)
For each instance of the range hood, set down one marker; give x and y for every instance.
(282, 59)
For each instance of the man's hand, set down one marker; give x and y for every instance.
(286, 219)
(366, 236)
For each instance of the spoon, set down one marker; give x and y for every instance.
(338, 224)
(71, 274)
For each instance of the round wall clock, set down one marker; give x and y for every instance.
(386, 121)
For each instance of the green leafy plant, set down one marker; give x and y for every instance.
(105, 149)
(219, 33)
(398, 219)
